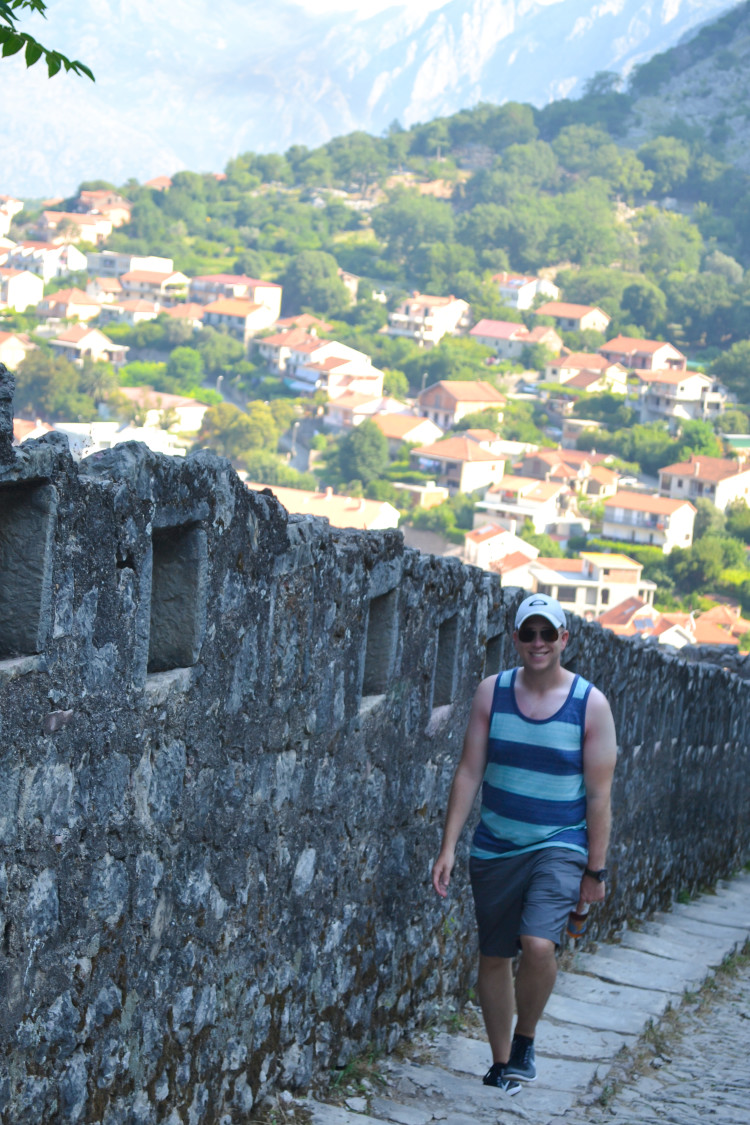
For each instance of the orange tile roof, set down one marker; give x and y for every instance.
(476, 390)
(398, 425)
(152, 277)
(583, 380)
(669, 375)
(189, 311)
(71, 297)
(499, 330)
(567, 566)
(351, 400)
(288, 339)
(232, 306)
(571, 312)
(482, 435)
(341, 511)
(646, 502)
(631, 344)
(511, 562)
(482, 534)
(236, 279)
(707, 468)
(584, 361)
(456, 448)
(22, 427)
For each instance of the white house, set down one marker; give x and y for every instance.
(114, 263)
(13, 348)
(427, 319)
(508, 340)
(47, 259)
(447, 402)
(679, 395)
(340, 511)
(211, 287)
(575, 318)
(718, 479)
(592, 583)
(458, 463)
(519, 291)
(19, 289)
(638, 517)
(516, 499)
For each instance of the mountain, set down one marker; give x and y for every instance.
(191, 83)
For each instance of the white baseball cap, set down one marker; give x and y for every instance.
(541, 605)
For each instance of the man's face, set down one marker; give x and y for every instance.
(539, 643)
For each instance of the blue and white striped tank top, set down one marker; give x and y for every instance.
(533, 795)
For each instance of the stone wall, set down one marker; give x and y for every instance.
(227, 738)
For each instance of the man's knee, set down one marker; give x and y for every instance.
(537, 949)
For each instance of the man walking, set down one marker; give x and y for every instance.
(541, 742)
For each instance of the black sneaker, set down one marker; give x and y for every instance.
(521, 1062)
(495, 1077)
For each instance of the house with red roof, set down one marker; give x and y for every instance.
(14, 347)
(47, 259)
(508, 340)
(592, 583)
(643, 355)
(351, 408)
(575, 318)
(519, 291)
(340, 511)
(71, 226)
(69, 304)
(19, 289)
(80, 342)
(587, 371)
(166, 287)
(491, 543)
(516, 499)
(239, 317)
(447, 402)
(154, 405)
(641, 517)
(207, 288)
(722, 480)
(132, 311)
(398, 428)
(458, 463)
(679, 395)
(426, 319)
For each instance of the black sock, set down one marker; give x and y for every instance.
(524, 1039)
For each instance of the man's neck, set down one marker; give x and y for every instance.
(544, 680)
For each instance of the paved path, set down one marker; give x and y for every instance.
(606, 1003)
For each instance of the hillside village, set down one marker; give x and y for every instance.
(498, 464)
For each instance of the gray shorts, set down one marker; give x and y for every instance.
(530, 894)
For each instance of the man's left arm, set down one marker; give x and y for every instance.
(599, 757)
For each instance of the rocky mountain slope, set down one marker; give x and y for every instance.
(191, 83)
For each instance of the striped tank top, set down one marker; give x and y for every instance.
(533, 795)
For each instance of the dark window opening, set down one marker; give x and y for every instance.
(445, 662)
(380, 651)
(493, 655)
(178, 587)
(26, 525)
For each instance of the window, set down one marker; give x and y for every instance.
(445, 663)
(178, 597)
(605, 597)
(566, 594)
(380, 649)
(26, 527)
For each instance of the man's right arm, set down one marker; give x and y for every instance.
(466, 782)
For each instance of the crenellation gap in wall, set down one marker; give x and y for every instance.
(178, 597)
(27, 521)
(493, 655)
(444, 680)
(380, 648)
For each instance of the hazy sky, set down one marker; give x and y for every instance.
(366, 7)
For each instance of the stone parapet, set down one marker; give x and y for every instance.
(227, 736)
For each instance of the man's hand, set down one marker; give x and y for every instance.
(592, 890)
(441, 872)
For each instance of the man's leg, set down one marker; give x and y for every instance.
(535, 980)
(495, 988)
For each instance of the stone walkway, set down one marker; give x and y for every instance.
(605, 1003)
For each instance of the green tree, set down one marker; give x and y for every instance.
(395, 384)
(311, 281)
(409, 219)
(218, 351)
(50, 388)
(738, 520)
(697, 438)
(362, 454)
(733, 368)
(12, 40)
(234, 433)
(185, 366)
(669, 161)
(708, 519)
(644, 304)
(697, 566)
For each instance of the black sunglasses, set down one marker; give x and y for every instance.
(549, 634)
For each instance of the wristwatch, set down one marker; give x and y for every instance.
(599, 875)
